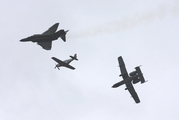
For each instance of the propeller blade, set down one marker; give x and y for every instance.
(55, 65)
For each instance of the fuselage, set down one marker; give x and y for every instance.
(65, 61)
(41, 38)
(129, 79)
(44, 38)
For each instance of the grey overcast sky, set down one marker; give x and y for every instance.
(143, 32)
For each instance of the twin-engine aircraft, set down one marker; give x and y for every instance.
(133, 78)
(65, 63)
(45, 39)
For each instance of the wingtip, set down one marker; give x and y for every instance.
(112, 87)
(137, 102)
(57, 23)
(48, 49)
(119, 56)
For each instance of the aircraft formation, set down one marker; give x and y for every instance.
(45, 41)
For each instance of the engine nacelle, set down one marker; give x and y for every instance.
(133, 73)
(136, 81)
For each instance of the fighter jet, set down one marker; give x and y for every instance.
(45, 39)
(135, 77)
(65, 63)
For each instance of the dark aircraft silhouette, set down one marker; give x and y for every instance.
(65, 63)
(45, 39)
(135, 77)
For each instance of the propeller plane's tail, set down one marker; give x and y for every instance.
(74, 57)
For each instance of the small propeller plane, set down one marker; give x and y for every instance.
(45, 39)
(65, 63)
(129, 79)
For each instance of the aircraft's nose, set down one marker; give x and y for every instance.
(22, 40)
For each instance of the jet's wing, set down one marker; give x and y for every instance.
(132, 91)
(45, 45)
(51, 30)
(124, 73)
(63, 63)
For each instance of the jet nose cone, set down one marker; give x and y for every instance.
(22, 40)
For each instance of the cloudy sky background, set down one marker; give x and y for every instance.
(142, 32)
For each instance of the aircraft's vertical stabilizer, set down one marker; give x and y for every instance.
(141, 74)
(74, 57)
(52, 29)
(63, 37)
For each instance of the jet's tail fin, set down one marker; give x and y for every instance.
(62, 34)
(51, 30)
(74, 57)
(63, 37)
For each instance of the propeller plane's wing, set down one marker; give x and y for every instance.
(58, 61)
(63, 63)
(69, 66)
